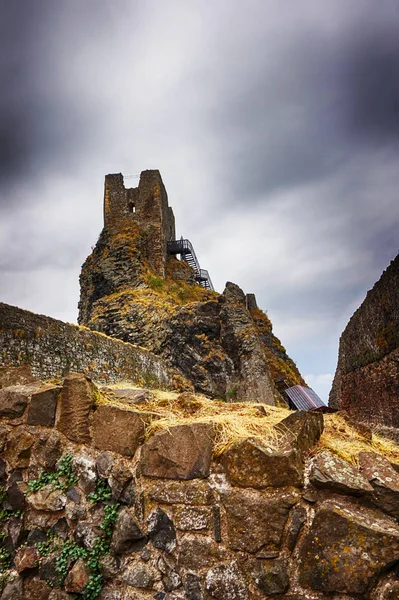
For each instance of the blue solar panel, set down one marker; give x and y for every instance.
(304, 398)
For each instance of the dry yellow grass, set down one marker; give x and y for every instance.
(237, 421)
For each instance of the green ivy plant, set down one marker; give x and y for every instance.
(61, 479)
(102, 493)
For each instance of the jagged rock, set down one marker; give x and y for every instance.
(257, 519)
(48, 571)
(194, 493)
(346, 547)
(84, 467)
(14, 495)
(119, 480)
(88, 533)
(384, 480)
(272, 577)
(4, 432)
(18, 448)
(76, 403)
(117, 429)
(126, 532)
(10, 376)
(306, 428)
(47, 450)
(13, 589)
(43, 405)
(192, 518)
(328, 471)
(225, 582)
(104, 463)
(47, 499)
(140, 575)
(36, 589)
(296, 522)
(60, 595)
(26, 558)
(181, 452)
(15, 399)
(16, 532)
(110, 566)
(193, 587)
(199, 552)
(77, 578)
(251, 463)
(111, 594)
(161, 530)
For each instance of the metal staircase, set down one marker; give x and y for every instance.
(187, 254)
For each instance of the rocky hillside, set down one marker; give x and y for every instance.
(366, 382)
(224, 346)
(125, 494)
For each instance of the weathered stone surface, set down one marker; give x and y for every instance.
(118, 429)
(272, 577)
(328, 471)
(128, 395)
(305, 427)
(43, 406)
(384, 480)
(26, 558)
(139, 575)
(296, 522)
(76, 403)
(13, 589)
(77, 578)
(47, 450)
(47, 499)
(48, 570)
(193, 587)
(36, 589)
(257, 519)
(126, 532)
(104, 463)
(84, 467)
(14, 494)
(192, 518)
(193, 493)
(18, 448)
(251, 463)
(181, 452)
(88, 533)
(199, 552)
(59, 595)
(161, 530)
(225, 582)
(10, 376)
(15, 399)
(110, 566)
(346, 547)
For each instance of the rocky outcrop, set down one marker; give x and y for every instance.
(366, 382)
(171, 520)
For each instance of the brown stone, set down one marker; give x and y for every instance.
(76, 404)
(256, 520)
(15, 399)
(199, 552)
(13, 589)
(251, 463)
(47, 499)
(117, 429)
(181, 452)
(193, 493)
(47, 450)
(346, 548)
(226, 582)
(328, 471)
(36, 589)
(296, 522)
(306, 428)
(192, 518)
(10, 376)
(271, 576)
(78, 577)
(18, 448)
(26, 558)
(126, 532)
(43, 406)
(384, 480)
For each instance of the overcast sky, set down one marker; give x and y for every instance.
(275, 126)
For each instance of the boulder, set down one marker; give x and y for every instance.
(304, 427)
(15, 399)
(26, 558)
(384, 480)
(77, 578)
(118, 429)
(181, 452)
(346, 548)
(225, 582)
(47, 499)
(161, 530)
(43, 406)
(251, 463)
(330, 472)
(77, 401)
(126, 532)
(256, 520)
(18, 448)
(15, 497)
(47, 450)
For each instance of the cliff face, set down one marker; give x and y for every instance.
(366, 382)
(222, 343)
(99, 501)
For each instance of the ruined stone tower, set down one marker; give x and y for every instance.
(145, 205)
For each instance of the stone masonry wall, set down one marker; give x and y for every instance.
(92, 510)
(53, 348)
(366, 382)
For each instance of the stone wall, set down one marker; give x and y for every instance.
(121, 518)
(366, 382)
(53, 348)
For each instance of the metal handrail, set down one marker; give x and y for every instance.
(187, 252)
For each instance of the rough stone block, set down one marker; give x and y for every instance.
(384, 480)
(15, 376)
(303, 427)
(117, 429)
(43, 406)
(26, 558)
(47, 499)
(272, 577)
(346, 547)
(256, 520)
(192, 518)
(18, 448)
(226, 581)
(76, 404)
(331, 472)
(77, 578)
(181, 452)
(15, 399)
(193, 493)
(251, 463)
(161, 530)
(126, 532)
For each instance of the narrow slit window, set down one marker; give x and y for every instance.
(132, 207)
